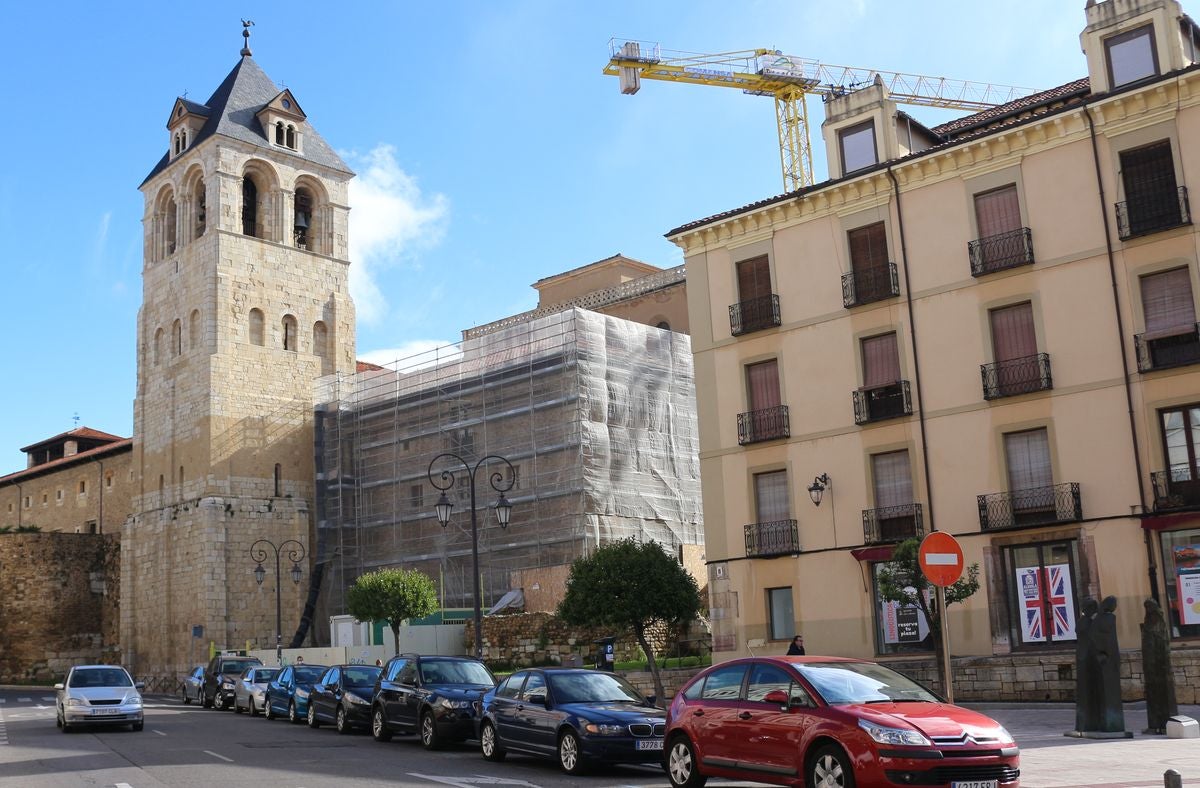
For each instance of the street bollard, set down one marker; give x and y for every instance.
(1172, 779)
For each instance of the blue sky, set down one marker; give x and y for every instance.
(491, 151)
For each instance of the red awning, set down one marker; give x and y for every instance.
(1163, 522)
(880, 553)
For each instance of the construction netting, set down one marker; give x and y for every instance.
(594, 417)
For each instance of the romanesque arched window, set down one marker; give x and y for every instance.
(194, 330)
(199, 200)
(320, 339)
(172, 220)
(256, 327)
(158, 342)
(278, 480)
(249, 207)
(176, 338)
(289, 333)
(291, 136)
(302, 218)
(279, 132)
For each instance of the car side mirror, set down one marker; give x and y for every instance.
(538, 699)
(779, 698)
(58, 686)
(139, 685)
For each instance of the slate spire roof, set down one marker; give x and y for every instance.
(231, 113)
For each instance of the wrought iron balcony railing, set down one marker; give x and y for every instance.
(1002, 251)
(763, 425)
(870, 284)
(781, 537)
(892, 523)
(1176, 488)
(1058, 503)
(1164, 352)
(882, 402)
(754, 315)
(1016, 376)
(1151, 213)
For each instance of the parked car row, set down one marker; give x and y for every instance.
(786, 720)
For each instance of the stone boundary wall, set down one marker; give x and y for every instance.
(525, 639)
(59, 604)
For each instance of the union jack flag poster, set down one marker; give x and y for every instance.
(1029, 591)
(1062, 602)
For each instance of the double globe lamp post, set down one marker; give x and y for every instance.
(295, 553)
(444, 481)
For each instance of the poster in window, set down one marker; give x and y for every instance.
(904, 623)
(1029, 603)
(1187, 579)
(1062, 602)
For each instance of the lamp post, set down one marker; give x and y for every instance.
(503, 513)
(295, 554)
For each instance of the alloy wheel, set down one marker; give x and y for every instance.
(569, 756)
(379, 728)
(340, 721)
(831, 769)
(293, 715)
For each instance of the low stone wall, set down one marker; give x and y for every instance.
(525, 639)
(60, 603)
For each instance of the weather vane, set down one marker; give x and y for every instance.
(246, 25)
(75, 418)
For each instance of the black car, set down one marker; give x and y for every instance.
(433, 695)
(579, 716)
(220, 680)
(343, 696)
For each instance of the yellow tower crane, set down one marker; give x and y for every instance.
(788, 79)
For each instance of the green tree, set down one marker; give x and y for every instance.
(393, 595)
(901, 580)
(627, 586)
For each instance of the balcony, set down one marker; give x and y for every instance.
(1000, 252)
(1172, 350)
(1058, 503)
(1176, 488)
(767, 424)
(870, 284)
(882, 402)
(754, 315)
(781, 537)
(1152, 213)
(1016, 376)
(892, 524)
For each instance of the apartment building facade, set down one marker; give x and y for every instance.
(986, 327)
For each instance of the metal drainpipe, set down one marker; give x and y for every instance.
(100, 506)
(20, 504)
(912, 329)
(1112, 273)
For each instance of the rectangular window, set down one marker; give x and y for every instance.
(1132, 56)
(1152, 198)
(1040, 581)
(1181, 575)
(90, 527)
(1013, 335)
(779, 609)
(1167, 303)
(892, 477)
(998, 211)
(754, 279)
(771, 497)
(881, 361)
(858, 147)
(58, 495)
(28, 501)
(1028, 457)
(868, 248)
(82, 487)
(1181, 442)
(899, 629)
(416, 496)
(108, 480)
(762, 381)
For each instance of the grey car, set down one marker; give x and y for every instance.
(250, 691)
(98, 695)
(191, 686)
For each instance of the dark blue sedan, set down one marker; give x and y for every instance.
(578, 716)
(287, 694)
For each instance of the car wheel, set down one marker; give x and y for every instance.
(379, 726)
(293, 715)
(682, 765)
(830, 768)
(236, 708)
(313, 722)
(489, 743)
(570, 756)
(429, 732)
(218, 701)
(340, 721)
(137, 726)
(268, 709)
(183, 696)
(252, 708)
(65, 728)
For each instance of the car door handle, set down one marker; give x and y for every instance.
(745, 715)
(698, 713)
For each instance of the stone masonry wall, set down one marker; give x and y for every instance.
(540, 639)
(60, 603)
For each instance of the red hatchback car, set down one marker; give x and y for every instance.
(829, 722)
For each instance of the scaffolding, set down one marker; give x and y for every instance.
(596, 415)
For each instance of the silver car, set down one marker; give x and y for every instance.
(250, 691)
(190, 691)
(98, 695)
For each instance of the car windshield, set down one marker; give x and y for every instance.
(454, 671)
(364, 676)
(235, 667)
(309, 673)
(592, 688)
(263, 675)
(100, 677)
(861, 682)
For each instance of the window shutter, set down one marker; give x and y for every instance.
(771, 496)
(754, 279)
(893, 479)
(1167, 302)
(881, 362)
(1013, 335)
(763, 381)
(1028, 457)
(998, 212)
(868, 247)
(1148, 172)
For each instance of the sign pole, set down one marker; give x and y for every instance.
(947, 673)
(941, 560)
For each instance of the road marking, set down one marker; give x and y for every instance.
(469, 782)
(222, 757)
(122, 785)
(48, 697)
(160, 733)
(24, 700)
(3, 730)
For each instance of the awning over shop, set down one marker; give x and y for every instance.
(1163, 522)
(876, 553)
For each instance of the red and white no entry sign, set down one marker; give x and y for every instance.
(941, 558)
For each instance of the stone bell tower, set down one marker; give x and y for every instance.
(245, 303)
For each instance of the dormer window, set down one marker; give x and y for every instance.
(1131, 56)
(857, 145)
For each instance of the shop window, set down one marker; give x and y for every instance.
(779, 610)
(1041, 582)
(899, 628)
(1181, 575)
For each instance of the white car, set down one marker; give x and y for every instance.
(98, 695)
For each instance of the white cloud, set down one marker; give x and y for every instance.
(390, 219)
(100, 242)
(414, 354)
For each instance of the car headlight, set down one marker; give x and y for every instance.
(602, 728)
(355, 700)
(301, 693)
(449, 703)
(227, 684)
(1004, 735)
(883, 735)
(133, 700)
(76, 702)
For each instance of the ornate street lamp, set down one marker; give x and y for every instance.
(295, 554)
(816, 490)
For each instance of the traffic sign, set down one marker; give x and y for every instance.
(941, 558)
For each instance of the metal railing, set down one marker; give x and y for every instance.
(882, 402)
(780, 537)
(1150, 213)
(763, 425)
(1016, 376)
(870, 284)
(1058, 503)
(1001, 251)
(892, 523)
(1164, 352)
(1175, 488)
(754, 315)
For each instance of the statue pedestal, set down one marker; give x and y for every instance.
(1099, 734)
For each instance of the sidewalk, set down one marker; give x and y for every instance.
(1051, 760)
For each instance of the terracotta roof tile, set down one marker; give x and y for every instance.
(79, 432)
(366, 366)
(121, 445)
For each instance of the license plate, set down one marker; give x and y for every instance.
(975, 784)
(656, 744)
(99, 712)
